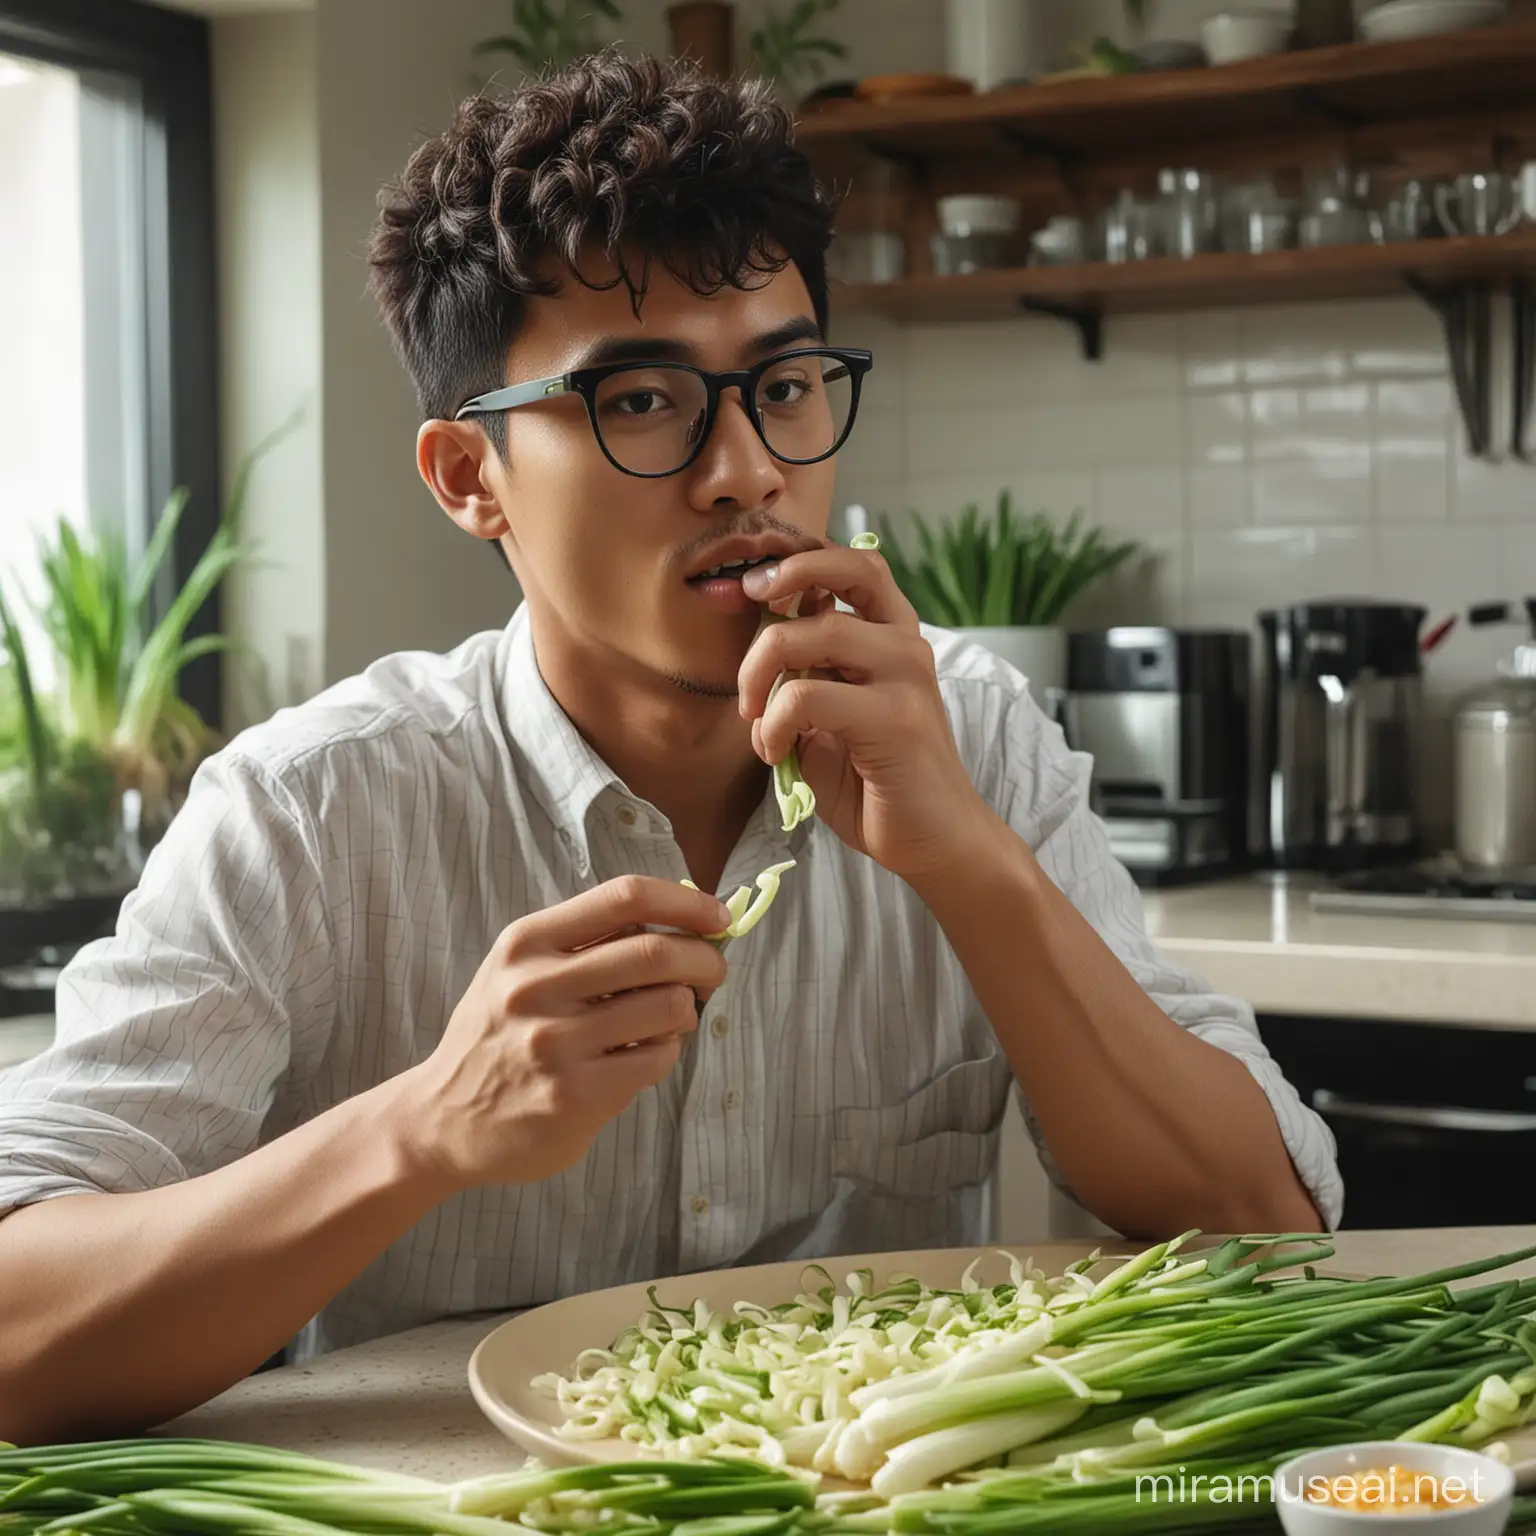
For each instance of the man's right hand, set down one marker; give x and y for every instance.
(575, 1011)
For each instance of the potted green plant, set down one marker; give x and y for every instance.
(92, 772)
(549, 34)
(786, 50)
(1005, 582)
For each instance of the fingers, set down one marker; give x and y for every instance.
(851, 714)
(633, 1018)
(625, 965)
(836, 643)
(630, 902)
(860, 577)
(624, 1074)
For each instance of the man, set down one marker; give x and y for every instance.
(413, 1012)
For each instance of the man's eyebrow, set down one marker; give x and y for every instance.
(667, 349)
(802, 328)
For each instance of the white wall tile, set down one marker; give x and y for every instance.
(1236, 573)
(1130, 501)
(1493, 492)
(1220, 495)
(1517, 563)
(1419, 410)
(1210, 349)
(981, 439)
(1217, 428)
(1110, 432)
(1439, 567)
(1141, 358)
(1393, 338)
(876, 448)
(1325, 490)
(1292, 344)
(1412, 482)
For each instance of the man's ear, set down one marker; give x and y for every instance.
(455, 459)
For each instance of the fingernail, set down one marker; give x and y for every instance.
(724, 913)
(758, 581)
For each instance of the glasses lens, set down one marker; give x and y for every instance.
(650, 418)
(805, 403)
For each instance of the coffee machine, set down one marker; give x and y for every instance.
(1164, 714)
(1339, 703)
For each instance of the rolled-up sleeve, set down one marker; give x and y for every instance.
(173, 1034)
(1045, 798)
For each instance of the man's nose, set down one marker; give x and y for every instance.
(736, 464)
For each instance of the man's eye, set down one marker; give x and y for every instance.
(785, 391)
(639, 402)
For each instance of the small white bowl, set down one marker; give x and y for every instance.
(1236, 35)
(1402, 19)
(979, 215)
(1490, 1482)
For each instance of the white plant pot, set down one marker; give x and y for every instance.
(1040, 653)
(989, 42)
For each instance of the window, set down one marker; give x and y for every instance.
(108, 368)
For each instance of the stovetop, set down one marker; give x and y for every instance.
(1438, 889)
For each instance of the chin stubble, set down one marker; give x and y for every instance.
(702, 689)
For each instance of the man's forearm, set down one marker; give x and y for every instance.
(1155, 1130)
(118, 1312)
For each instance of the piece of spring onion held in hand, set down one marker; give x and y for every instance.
(797, 801)
(745, 917)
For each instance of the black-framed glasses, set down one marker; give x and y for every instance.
(653, 419)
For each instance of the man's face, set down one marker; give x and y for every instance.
(605, 558)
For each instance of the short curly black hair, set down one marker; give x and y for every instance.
(649, 159)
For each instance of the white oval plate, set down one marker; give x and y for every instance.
(550, 1337)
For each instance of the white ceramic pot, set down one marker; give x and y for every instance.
(991, 42)
(1039, 653)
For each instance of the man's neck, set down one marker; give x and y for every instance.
(689, 755)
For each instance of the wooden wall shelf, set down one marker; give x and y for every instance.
(1219, 280)
(1431, 107)
(1352, 87)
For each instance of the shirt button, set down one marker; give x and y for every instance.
(732, 1098)
(627, 815)
(719, 1026)
(700, 1206)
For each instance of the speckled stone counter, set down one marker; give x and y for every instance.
(1261, 940)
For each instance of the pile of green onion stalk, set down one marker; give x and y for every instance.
(951, 1403)
(166, 1487)
(797, 801)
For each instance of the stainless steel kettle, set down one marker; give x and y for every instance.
(1494, 734)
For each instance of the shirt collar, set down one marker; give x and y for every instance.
(565, 775)
(563, 772)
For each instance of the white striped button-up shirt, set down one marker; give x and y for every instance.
(338, 874)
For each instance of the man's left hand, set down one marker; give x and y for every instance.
(869, 721)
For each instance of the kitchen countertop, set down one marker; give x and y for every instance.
(23, 1037)
(403, 1403)
(1258, 938)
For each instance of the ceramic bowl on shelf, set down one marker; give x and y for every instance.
(904, 87)
(1394, 1486)
(1402, 19)
(1236, 35)
(965, 215)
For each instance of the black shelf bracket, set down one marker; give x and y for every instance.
(1464, 310)
(1089, 322)
(1027, 144)
(908, 160)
